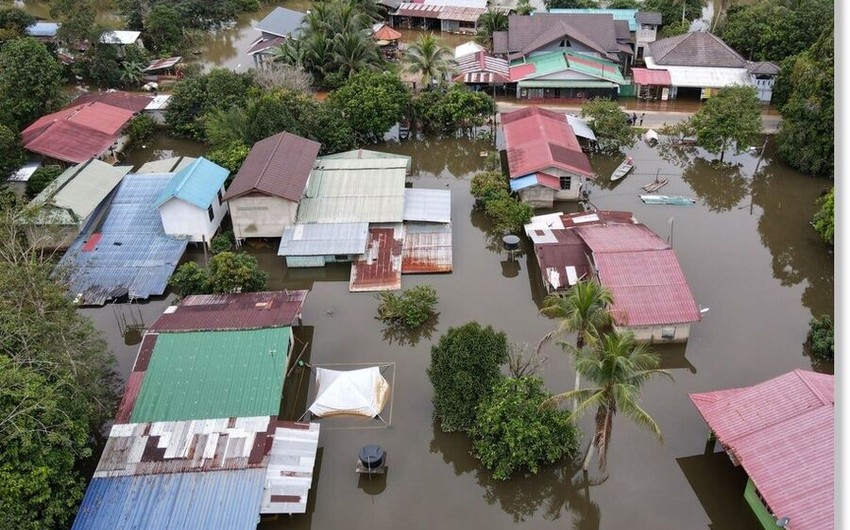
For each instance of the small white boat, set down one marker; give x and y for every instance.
(623, 169)
(651, 137)
(675, 200)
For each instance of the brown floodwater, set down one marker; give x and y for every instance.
(749, 254)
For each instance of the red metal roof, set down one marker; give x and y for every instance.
(115, 98)
(645, 76)
(537, 139)
(217, 312)
(522, 70)
(128, 401)
(380, 268)
(620, 237)
(278, 165)
(782, 432)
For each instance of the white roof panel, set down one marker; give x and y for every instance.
(703, 76)
(428, 205)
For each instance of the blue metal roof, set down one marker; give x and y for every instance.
(197, 500)
(43, 29)
(520, 183)
(196, 184)
(134, 257)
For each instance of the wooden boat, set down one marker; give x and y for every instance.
(623, 169)
(675, 200)
(652, 187)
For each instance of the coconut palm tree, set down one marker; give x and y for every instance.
(617, 367)
(583, 311)
(353, 52)
(489, 23)
(428, 58)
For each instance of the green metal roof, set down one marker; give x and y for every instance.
(596, 67)
(354, 195)
(545, 63)
(564, 83)
(214, 375)
(557, 61)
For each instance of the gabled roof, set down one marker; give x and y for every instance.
(763, 68)
(528, 33)
(163, 63)
(468, 48)
(281, 22)
(782, 432)
(237, 311)
(624, 15)
(115, 98)
(695, 49)
(278, 166)
(197, 184)
(120, 37)
(536, 139)
(481, 67)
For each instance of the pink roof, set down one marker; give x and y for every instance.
(537, 139)
(596, 217)
(115, 98)
(644, 76)
(522, 70)
(620, 237)
(781, 431)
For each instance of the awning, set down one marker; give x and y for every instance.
(645, 76)
(564, 83)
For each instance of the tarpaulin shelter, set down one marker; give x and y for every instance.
(362, 392)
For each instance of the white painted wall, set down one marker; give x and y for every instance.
(653, 334)
(179, 218)
(261, 216)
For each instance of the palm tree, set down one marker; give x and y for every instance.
(489, 23)
(617, 367)
(428, 58)
(583, 311)
(353, 52)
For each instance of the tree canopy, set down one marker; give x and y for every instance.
(193, 97)
(30, 82)
(489, 23)
(609, 124)
(824, 220)
(14, 23)
(371, 104)
(429, 59)
(732, 118)
(671, 11)
(11, 153)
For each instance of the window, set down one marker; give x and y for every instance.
(211, 212)
(668, 332)
(565, 43)
(341, 257)
(219, 196)
(566, 183)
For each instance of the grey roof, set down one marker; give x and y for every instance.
(695, 49)
(75, 194)
(621, 30)
(528, 33)
(428, 205)
(648, 17)
(763, 68)
(324, 239)
(581, 128)
(500, 41)
(292, 460)
(166, 165)
(281, 22)
(390, 4)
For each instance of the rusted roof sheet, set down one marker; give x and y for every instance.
(290, 470)
(115, 98)
(128, 400)
(380, 268)
(411, 9)
(649, 287)
(556, 250)
(461, 13)
(596, 217)
(782, 432)
(184, 446)
(645, 76)
(620, 237)
(427, 248)
(278, 166)
(238, 311)
(536, 139)
(162, 64)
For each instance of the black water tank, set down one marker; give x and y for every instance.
(511, 242)
(372, 457)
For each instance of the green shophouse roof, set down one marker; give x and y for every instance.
(214, 375)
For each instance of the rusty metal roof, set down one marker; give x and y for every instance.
(427, 248)
(620, 237)
(380, 268)
(278, 165)
(116, 98)
(427, 205)
(556, 250)
(162, 64)
(597, 217)
(290, 470)
(782, 432)
(239, 311)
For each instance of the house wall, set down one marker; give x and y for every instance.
(180, 218)
(538, 196)
(302, 262)
(654, 334)
(764, 87)
(261, 216)
(767, 520)
(646, 33)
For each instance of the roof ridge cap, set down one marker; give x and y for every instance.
(800, 373)
(262, 173)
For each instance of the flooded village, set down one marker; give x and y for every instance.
(297, 407)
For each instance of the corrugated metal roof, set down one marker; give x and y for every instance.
(535, 179)
(597, 217)
(468, 48)
(159, 102)
(462, 14)
(214, 375)
(412, 9)
(645, 76)
(131, 392)
(427, 205)
(483, 64)
(198, 183)
(697, 48)
(166, 165)
(120, 37)
(162, 64)
(556, 251)
(232, 312)
(386, 33)
(380, 268)
(702, 76)
(620, 237)
(581, 128)
(278, 165)
(262, 44)
(353, 195)
(782, 433)
(324, 239)
(366, 154)
(536, 139)
(648, 287)
(75, 194)
(43, 29)
(184, 446)
(290, 471)
(115, 98)
(648, 17)
(134, 256)
(281, 22)
(627, 15)
(23, 173)
(188, 501)
(427, 248)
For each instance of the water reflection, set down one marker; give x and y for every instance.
(443, 156)
(373, 484)
(721, 186)
(396, 333)
(673, 357)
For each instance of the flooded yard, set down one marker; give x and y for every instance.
(749, 254)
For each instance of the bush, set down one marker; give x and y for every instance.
(821, 338)
(486, 184)
(231, 272)
(11, 153)
(40, 179)
(230, 158)
(411, 308)
(141, 128)
(824, 219)
(222, 243)
(507, 212)
(511, 432)
(464, 368)
(190, 278)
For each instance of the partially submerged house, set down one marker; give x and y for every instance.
(566, 75)
(652, 298)
(57, 215)
(265, 193)
(456, 16)
(122, 38)
(191, 205)
(545, 160)
(278, 26)
(782, 433)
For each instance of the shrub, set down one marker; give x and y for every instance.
(230, 158)
(190, 278)
(464, 368)
(40, 179)
(222, 243)
(231, 272)
(141, 128)
(824, 219)
(507, 212)
(486, 184)
(821, 340)
(512, 432)
(411, 308)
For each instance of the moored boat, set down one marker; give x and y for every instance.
(623, 169)
(675, 200)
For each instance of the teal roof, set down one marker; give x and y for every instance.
(220, 374)
(596, 67)
(619, 14)
(558, 61)
(196, 184)
(545, 63)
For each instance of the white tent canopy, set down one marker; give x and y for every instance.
(362, 392)
(468, 48)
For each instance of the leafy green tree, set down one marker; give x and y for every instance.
(623, 4)
(223, 242)
(190, 278)
(77, 21)
(618, 368)
(429, 59)
(40, 179)
(512, 433)
(457, 107)
(141, 127)
(524, 7)
(11, 153)
(196, 14)
(506, 212)
(163, 29)
(820, 341)
(282, 110)
(30, 82)
(235, 273)
(332, 130)
(193, 97)
(489, 23)
(412, 308)
(824, 219)
(569, 4)
(102, 65)
(609, 124)
(486, 184)
(732, 118)
(14, 23)
(671, 11)
(464, 369)
(229, 157)
(806, 133)
(673, 29)
(372, 103)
